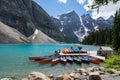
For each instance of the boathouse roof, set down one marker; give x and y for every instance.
(106, 48)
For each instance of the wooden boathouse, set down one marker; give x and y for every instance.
(105, 51)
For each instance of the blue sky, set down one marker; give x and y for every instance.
(58, 7)
(55, 7)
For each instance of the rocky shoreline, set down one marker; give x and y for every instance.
(93, 73)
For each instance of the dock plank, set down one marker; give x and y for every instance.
(89, 53)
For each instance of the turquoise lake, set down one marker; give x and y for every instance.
(14, 59)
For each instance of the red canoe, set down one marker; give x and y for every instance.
(97, 61)
(43, 61)
(55, 61)
(63, 61)
(35, 58)
(100, 60)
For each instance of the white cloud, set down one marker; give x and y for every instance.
(63, 1)
(81, 1)
(90, 2)
(104, 11)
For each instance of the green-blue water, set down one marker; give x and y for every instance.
(14, 59)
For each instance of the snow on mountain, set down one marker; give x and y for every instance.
(79, 35)
(77, 27)
(69, 11)
(96, 28)
(86, 30)
(61, 22)
(61, 30)
(57, 17)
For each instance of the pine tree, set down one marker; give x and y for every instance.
(116, 31)
(101, 37)
(98, 3)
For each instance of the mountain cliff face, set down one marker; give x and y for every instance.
(68, 23)
(10, 35)
(26, 16)
(77, 27)
(40, 37)
(102, 23)
(16, 14)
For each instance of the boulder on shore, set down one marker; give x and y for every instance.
(94, 76)
(25, 79)
(36, 76)
(60, 77)
(72, 74)
(6, 79)
(77, 76)
(94, 73)
(50, 76)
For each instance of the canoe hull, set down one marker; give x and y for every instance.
(43, 61)
(35, 58)
(63, 62)
(85, 61)
(78, 61)
(70, 61)
(53, 63)
(97, 61)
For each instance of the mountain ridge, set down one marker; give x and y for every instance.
(81, 26)
(11, 35)
(26, 16)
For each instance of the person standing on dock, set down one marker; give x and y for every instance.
(100, 50)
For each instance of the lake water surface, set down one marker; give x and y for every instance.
(14, 59)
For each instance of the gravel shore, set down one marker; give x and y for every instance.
(93, 73)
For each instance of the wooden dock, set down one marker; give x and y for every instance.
(73, 54)
(89, 53)
(94, 54)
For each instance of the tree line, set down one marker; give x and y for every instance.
(101, 37)
(107, 36)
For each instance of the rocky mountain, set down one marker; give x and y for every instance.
(102, 23)
(11, 35)
(77, 27)
(26, 16)
(40, 37)
(68, 23)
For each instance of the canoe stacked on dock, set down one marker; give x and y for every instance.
(67, 56)
(68, 51)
